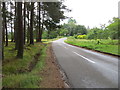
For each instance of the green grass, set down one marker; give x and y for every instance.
(11, 67)
(50, 40)
(109, 46)
(16, 72)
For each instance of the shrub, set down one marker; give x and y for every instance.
(81, 36)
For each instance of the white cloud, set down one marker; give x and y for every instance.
(92, 12)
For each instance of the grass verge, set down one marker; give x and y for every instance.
(108, 46)
(16, 72)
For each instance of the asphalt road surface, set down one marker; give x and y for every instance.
(85, 68)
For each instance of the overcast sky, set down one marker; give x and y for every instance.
(92, 12)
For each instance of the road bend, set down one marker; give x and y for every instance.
(85, 68)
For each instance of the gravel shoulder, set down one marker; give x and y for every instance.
(51, 77)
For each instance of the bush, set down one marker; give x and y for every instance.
(60, 36)
(81, 36)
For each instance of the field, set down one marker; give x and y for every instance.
(104, 45)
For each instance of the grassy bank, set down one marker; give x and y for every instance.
(23, 73)
(109, 46)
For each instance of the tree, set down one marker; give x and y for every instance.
(95, 33)
(15, 27)
(20, 30)
(31, 23)
(80, 29)
(63, 32)
(28, 20)
(1, 36)
(24, 22)
(73, 28)
(5, 23)
(54, 12)
(114, 28)
(11, 21)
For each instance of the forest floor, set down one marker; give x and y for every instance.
(37, 69)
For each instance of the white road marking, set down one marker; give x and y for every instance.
(92, 52)
(84, 57)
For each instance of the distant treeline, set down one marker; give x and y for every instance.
(112, 31)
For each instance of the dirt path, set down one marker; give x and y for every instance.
(50, 74)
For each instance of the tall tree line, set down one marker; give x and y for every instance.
(26, 21)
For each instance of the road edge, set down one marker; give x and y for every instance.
(62, 72)
(95, 50)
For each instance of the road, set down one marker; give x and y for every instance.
(85, 68)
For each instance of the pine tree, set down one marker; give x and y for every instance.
(20, 30)
(31, 23)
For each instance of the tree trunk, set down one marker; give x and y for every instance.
(16, 28)
(5, 23)
(48, 36)
(12, 37)
(31, 23)
(39, 32)
(20, 30)
(24, 22)
(14, 22)
(6, 33)
(28, 33)
(2, 39)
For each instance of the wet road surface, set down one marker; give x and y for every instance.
(85, 68)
